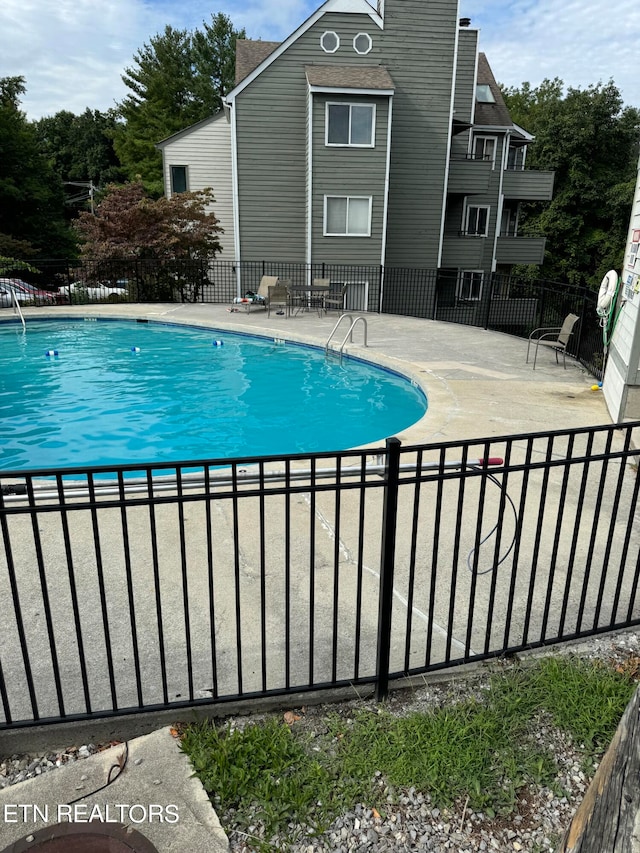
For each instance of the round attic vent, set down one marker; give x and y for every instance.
(83, 838)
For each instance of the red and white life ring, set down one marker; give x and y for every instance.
(607, 292)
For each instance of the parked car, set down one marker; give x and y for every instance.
(80, 291)
(26, 292)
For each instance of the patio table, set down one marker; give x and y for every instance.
(315, 294)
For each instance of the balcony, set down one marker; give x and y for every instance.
(520, 250)
(462, 251)
(528, 185)
(468, 176)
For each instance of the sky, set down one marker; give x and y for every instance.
(72, 52)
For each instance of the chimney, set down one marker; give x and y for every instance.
(465, 22)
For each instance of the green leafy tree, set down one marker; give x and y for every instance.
(31, 195)
(590, 141)
(177, 79)
(80, 147)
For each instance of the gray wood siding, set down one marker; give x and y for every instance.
(419, 41)
(271, 116)
(206, 151)
(464, 90)
(348, 171)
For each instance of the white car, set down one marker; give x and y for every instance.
(80, 291)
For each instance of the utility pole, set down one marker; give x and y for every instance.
(89, 185)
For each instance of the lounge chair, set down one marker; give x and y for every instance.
(555, 337)
(259, 299)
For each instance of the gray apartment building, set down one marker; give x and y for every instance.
(370, 136)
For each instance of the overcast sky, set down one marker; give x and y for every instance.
(72, 52)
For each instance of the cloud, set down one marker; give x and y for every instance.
(579, 42)
(72, 52)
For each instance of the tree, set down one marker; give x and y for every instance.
(31, 195)
(80, 147)
(129, 224)
(591, 143)
(178, 79)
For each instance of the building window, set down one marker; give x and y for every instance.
(350, 124)
(469, 287)
(516, 157)
(477, 224)
(362, 43)
(484, 95)
(347, 216)
(178, 179)
(509, 224)
(484, 148)
(330, 42)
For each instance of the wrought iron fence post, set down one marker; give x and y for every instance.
(387, 565)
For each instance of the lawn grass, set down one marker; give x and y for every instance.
(289, 781)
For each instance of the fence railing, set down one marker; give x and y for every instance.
(128, 589)
(501, 302)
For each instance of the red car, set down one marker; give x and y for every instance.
(30, 291)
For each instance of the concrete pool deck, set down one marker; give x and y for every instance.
(478, 385)
(477, 382)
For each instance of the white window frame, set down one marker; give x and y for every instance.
(476, 277)
(471, 207)
(485, 138)
(349, 144)
(346, 233)
(330, 33)
(362, 52)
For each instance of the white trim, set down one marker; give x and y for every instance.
(385, 202)
(328, 144)
(236, 205)
(173, 166)
(363, 52)
(475, 83)
(326, 233)
(330, 33)
(447, 164)
(309, 176)
(475, 136)
(467, 208)
(503, 167)
(459, 282)
(336, 90)
(354, 7)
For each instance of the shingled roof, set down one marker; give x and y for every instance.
(349, 77)
(493, 115)
(249, 54)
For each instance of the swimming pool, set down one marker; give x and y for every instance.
(121, 392)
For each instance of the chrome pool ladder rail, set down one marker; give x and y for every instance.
(17, 309)
(348, 337)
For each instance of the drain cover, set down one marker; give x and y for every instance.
(83, 838)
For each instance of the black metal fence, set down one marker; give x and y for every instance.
(504, 303)
(126, 590)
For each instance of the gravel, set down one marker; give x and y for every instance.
(411, 821)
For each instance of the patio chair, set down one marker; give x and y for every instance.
(259, 299)
(555, 337)
(278, 297)
(335, 298)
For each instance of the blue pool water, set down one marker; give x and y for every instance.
(126, 392)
